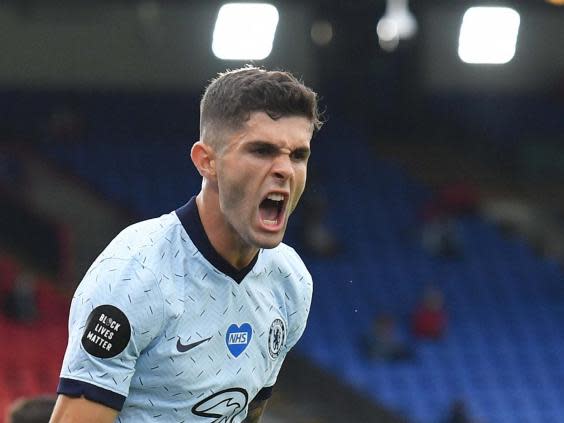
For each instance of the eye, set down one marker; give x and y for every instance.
(300, 155)
(263, 150)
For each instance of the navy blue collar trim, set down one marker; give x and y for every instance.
(190, 219)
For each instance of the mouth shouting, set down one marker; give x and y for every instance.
(271, 210)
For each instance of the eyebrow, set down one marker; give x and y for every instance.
(261, 143)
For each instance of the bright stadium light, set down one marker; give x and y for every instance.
(488, 35)
(388, 34)
(244, 31)
(397, 16)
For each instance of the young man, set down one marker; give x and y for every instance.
(188, 317)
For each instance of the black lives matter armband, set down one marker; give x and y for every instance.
(107, 332)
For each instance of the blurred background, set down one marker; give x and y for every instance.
(433, 223)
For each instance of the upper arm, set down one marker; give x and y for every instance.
(71, 410)
(256, 410)
(116, 313)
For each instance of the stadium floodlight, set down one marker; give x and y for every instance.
(399, 16)
(388, 34)
(244, 31)
(488, 35)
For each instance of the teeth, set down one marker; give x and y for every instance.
(271, 222)
(275, 197)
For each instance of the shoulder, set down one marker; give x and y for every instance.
(287, 256)
(153, 246)
(143, 239)
(291, 273)
(285, 261)
(135, 268)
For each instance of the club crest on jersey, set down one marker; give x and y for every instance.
(238, 338)
(276, 338)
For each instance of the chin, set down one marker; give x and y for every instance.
(269, 242)
(270, 245)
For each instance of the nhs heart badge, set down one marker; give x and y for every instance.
(238, 338)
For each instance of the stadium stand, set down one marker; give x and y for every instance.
(501, 353)
(31, 353)
(501, 350)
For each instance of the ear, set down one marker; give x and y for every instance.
(203, 157)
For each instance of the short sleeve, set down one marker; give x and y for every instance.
(116, 312)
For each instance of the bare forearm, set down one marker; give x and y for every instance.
(70, 410)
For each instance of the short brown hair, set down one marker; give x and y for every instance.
(32, 410)
(230, 99)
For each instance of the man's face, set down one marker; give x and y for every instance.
(261, 174)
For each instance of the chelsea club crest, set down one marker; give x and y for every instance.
(276, 338)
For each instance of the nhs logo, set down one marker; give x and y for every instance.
(238, 338)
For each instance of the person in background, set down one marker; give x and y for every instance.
(20, 303)
(318, 239)
(458, 413)
(385, 341)
(31, 410)
(430, 317)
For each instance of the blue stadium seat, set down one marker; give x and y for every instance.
(503, 349)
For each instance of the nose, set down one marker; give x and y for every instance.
(282, 167)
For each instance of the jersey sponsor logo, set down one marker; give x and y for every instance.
(276, 338)
(238, 338)
(187, 347)
(107, 332)
(223, 406)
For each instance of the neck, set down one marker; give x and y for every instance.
(221, 235)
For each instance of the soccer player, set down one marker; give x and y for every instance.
(188, 317)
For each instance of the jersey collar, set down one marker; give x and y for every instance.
(190, 219)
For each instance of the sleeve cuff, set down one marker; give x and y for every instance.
(76, 388)
(263, 394)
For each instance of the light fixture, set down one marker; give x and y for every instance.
(397, 15)
(388, 34)
(488, 35)
(244, 31)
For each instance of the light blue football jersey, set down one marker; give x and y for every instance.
(164, 329)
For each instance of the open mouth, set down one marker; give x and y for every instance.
(271, 209)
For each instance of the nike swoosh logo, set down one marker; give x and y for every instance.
(183, 348)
